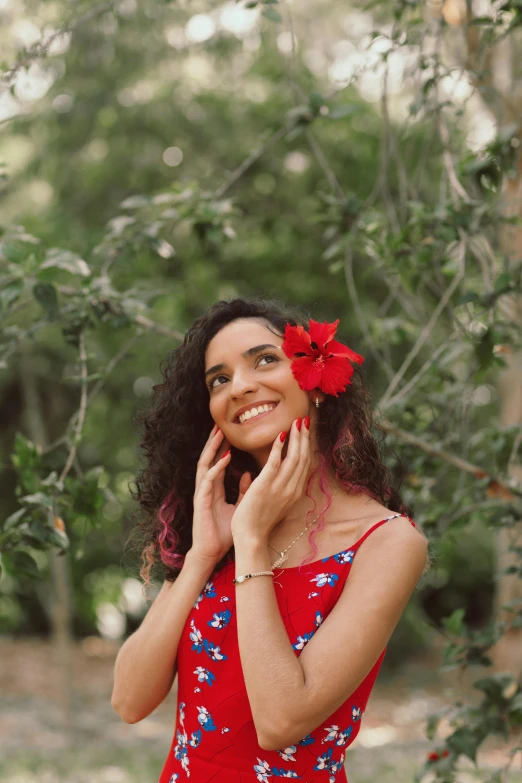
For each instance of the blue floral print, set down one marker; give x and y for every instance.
(212, 650)
(196, 637)
(288, 753)
(181, 747)
(327, 762)
(219, 718)
(204, 675)
(305, 638)
(325, 579)
(208, 591)
(308, 740)
(337, 736)
(302, 641)
(264, 771)
(205, 719)
(346, 556)
(221, 619)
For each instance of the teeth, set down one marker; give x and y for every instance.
(255, 412)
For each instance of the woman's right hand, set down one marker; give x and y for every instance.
(211, 527)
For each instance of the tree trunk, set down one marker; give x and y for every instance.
(491, 69)
(59, 565)
(507, 654)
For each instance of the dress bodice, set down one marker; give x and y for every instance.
(214, 736)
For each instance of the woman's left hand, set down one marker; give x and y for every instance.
(279, 485)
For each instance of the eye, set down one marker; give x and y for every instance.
(263, 356)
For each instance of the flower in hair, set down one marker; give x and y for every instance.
(319, 361)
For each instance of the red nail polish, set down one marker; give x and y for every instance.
(226, 453)
(282, 437)
(298, 424)
(307, 422)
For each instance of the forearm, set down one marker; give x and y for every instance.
(145, 665)
(273, 675)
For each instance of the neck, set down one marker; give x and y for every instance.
(295, 520)
(343, 506)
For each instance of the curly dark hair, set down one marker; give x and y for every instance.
(177, 425)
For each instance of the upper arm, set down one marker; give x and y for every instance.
(158, 603)
(382, 578)
(156, 608)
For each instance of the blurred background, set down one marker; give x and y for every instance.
(358, 159)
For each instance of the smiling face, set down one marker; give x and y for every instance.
(240, 378)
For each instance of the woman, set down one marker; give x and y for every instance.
(263, 422)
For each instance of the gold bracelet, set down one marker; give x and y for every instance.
(248, 576)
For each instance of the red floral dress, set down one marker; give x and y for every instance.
(214, 737)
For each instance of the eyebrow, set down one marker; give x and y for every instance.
(245, 355)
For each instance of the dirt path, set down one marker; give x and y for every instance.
(392, 735)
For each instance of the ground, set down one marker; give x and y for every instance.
(98, 747)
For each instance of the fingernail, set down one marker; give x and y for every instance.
(282, 437)
(217, 430)
(307, 422)
(298, 424)
(226, 453)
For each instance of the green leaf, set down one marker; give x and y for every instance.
(135, 202)
(25, 453)
(14, 519)
(39, 499)
(516, 703)
(503, 281)
(316, 101)
(464, 741)
(333, 250)
(42, 536)
(272, 15)
(484, 349)
(344, 111)
(493, 686)
(10, 293)
(65, 259)
(432, 725)
(45, 294)
(469, 296)
(21, 563)
(454, 623)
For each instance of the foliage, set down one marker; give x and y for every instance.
(179, 157)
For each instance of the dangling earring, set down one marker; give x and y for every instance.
(317, 402)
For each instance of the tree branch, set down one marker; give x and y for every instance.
(40, 49)
(429, 326)
(496, 487)
(81, 411)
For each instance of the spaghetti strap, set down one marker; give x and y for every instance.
(378, 524)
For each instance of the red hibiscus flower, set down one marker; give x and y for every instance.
(320, 362)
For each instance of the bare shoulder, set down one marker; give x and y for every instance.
(397, 544)
(375, 512)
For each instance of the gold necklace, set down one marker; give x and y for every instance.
(283, 557)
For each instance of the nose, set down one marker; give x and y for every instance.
(241, 384)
